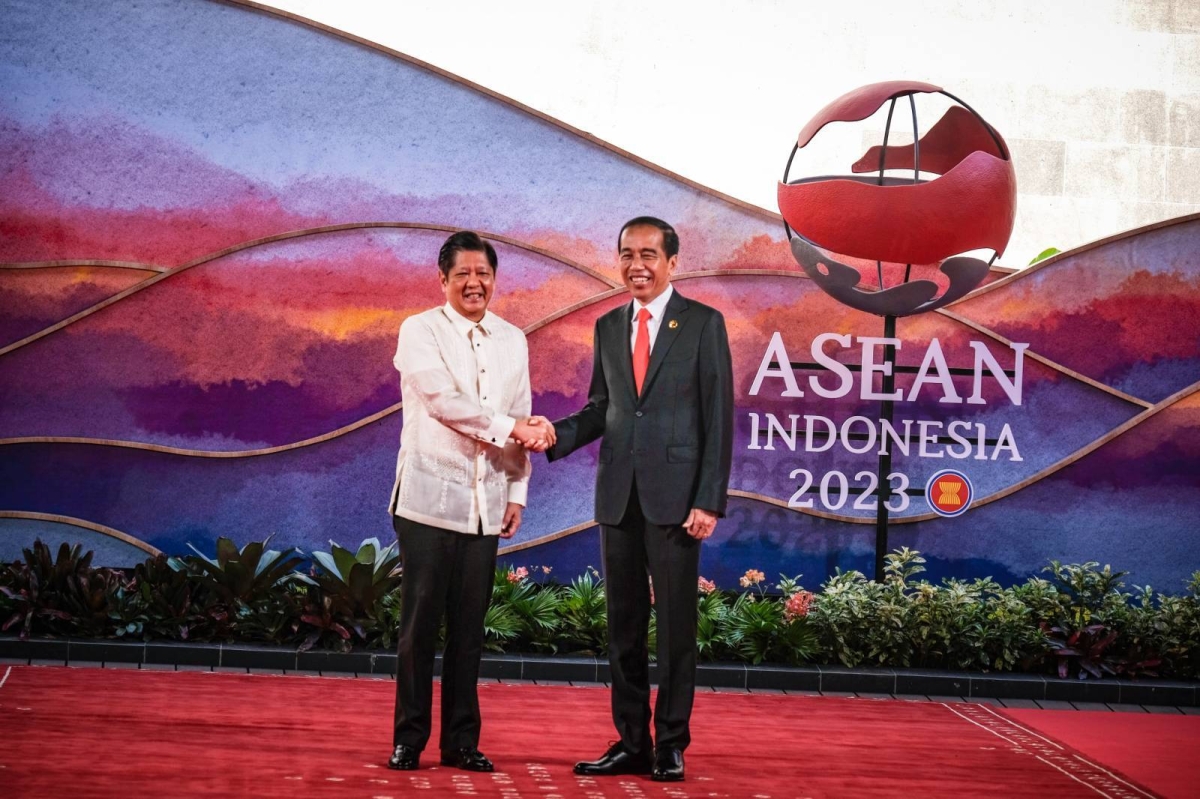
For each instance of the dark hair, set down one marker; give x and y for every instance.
(463, 241)
(669, 236)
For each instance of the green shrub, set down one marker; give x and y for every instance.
(535, 609)
(1077, 620)
(44, 590)
(711, 636)
(387, 623)
(1006, 638)
(248, 593)
(344, 600)
(1161, 633)
(584, 615)
(168, 595)
(757, 629)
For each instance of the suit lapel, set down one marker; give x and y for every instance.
(672, 325)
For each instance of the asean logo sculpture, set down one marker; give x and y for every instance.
(895, 245)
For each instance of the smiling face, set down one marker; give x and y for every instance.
(469, 285)
(645, 268)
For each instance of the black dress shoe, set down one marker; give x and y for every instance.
(617, 760)
(468, 758)
(668, 764)
(405, 758)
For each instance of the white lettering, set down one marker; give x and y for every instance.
(929, 438)
(846, 379)
(870, 430)
(886, 431)
(1007, 442)
(788, 436)
(935, 358)
(810, 431)
(776, 363)
(984, 358)
(870, 368)
(952, 431)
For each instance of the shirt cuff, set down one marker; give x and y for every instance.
(518, 492)
(498, 432)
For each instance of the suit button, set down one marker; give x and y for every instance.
(638, 414)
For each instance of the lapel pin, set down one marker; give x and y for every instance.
(672, 324)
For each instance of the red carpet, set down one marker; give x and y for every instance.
(1158, 751)
(82, 733)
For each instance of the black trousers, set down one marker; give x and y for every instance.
(445, 573)
(633, 549)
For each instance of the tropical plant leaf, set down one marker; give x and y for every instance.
(345, 561)
(226, 550)
(326, 562)
(1044, 254)
(367, 551)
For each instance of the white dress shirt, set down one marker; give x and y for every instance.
(464, 385)
(657, 307)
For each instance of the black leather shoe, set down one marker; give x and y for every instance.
(617, 760)
(405, 758)
(467, 758)
(668, 764)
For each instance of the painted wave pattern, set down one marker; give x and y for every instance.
(247, 127)
(1126, 314)
(288, 342)
(265, 347)
(34, 299)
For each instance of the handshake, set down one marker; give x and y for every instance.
(535, 433)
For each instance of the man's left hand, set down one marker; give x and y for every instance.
(700, 524)
(512, 520)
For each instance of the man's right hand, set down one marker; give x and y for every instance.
(535, 433)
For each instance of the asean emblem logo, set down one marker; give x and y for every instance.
(949, 493)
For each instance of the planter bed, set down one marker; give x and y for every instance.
(543, 667)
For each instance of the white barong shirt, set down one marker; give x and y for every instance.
(464, 385)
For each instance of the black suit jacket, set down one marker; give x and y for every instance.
(676, 439)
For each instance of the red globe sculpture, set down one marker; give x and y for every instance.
(889, 223)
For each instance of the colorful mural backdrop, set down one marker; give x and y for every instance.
(214, 218)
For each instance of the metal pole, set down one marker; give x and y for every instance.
(885, 452)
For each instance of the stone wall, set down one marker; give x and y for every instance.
(1100, 99)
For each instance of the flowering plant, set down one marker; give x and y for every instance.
(752, 577)
(796, 606)
(905, 621)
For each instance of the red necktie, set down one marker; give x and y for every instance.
(641, 349)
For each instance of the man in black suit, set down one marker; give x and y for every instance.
(661, 397)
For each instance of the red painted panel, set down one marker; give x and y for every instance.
(860, 104)
(973, 206)
(955, 136)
